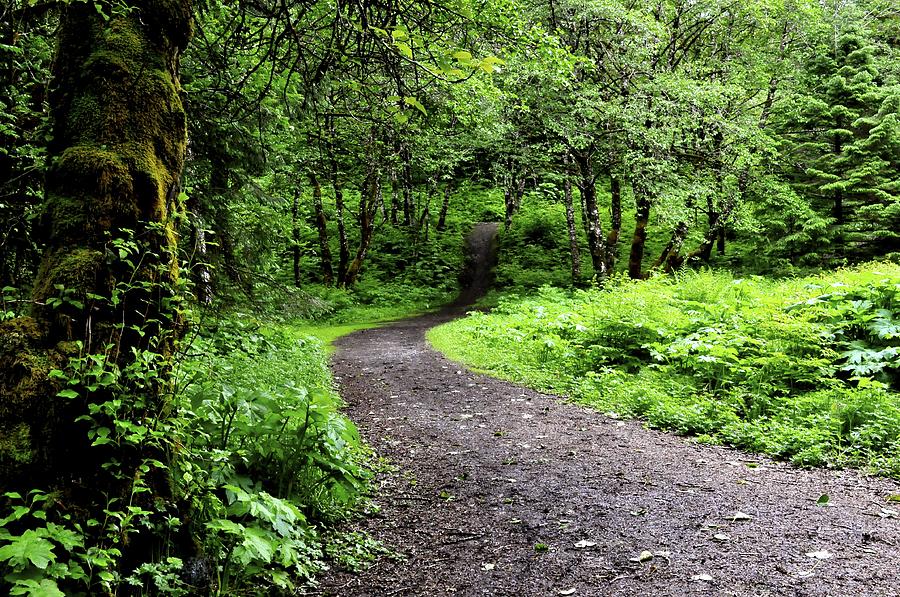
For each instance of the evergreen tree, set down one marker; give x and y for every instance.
(841, 141)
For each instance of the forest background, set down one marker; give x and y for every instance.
(323, 162)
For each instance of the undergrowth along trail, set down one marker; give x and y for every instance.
(804, 369)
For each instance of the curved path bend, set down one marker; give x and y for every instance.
(499, 490)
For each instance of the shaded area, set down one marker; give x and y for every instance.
(481, 258)
(496, 486)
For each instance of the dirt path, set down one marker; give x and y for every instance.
(497, 486)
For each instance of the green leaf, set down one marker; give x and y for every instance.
(68, 539)
(45, 588)
(411, 101)
(29, 547)
(260, 543)
(67, 394)
(404, 49)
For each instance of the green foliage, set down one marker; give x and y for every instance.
(804, 369)
(26, 52)
(534, 252)
(264, 460)
(273, 459)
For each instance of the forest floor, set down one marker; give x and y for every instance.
(499, 490)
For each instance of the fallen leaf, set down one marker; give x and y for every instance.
(566, 592)
(822, 554)
(584, 543)
(643, 556)
(823, 499)
(894, 497)
(487, 567)
(703, 577)
(740, 516)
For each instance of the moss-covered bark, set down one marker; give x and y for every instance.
(115, 162)
(639, 240)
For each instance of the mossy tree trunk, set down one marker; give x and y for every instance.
(368, 208)
(574, 249)
(639, 240)
(593, 227)
(104, 286)
(445, 206)
(615, 212)
(322, 230)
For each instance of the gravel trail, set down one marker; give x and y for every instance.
(500, 490)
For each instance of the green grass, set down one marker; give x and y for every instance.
(327, 334)
(805, 369)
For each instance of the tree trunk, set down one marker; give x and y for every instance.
(425, 219)
(512, 194)
(705, 248)
(112, 191)
(382, 208)
(200, 261)
(445, 206)
(641, 218)
(671, 257)
(407, 186)
(368, 208)
(322, 229)
(574, 251)
(615, 211)
(592, 225)
(295, 236)
(713, 218)
(221, 222)
(395, 196)
(343, 243)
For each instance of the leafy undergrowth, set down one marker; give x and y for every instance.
(805, 369)
(267, 470)
(275, 466)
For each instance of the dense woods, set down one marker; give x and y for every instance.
(180, 179)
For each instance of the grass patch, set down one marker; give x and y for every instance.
(805, 369)
(327, 334)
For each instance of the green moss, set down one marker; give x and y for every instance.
(76, 269)
(87, 192)
(15, 449)
(26, 394)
